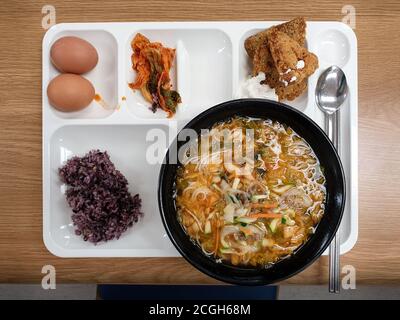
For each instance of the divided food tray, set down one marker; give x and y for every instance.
(210, 65)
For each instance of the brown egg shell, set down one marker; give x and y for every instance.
(70, 92)
(73, 55)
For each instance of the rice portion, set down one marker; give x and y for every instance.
(98, 194)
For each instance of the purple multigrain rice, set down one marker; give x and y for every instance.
(98, 194)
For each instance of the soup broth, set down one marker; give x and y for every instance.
(255, 211)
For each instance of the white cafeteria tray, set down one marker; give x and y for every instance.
(210, 64)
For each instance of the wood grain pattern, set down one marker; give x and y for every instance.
(376, 255)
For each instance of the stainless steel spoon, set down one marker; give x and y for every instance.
(330, 94)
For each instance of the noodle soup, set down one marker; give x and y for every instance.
(255, 211)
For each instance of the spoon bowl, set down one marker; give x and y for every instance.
(331, 90)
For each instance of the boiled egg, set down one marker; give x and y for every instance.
(73, 55)
(70, 92)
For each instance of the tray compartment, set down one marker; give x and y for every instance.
(202, 72)
(335, 44)
(104, 76)
(122, 143)
(333, 47)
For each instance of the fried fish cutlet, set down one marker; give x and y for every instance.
(291, 91)
(263, 62)
(292, 61)
(279, 52)
(257, 48)
(294, 64)
(295, 29)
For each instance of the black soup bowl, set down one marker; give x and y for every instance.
(304, 255)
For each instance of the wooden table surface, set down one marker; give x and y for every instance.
(376, 255)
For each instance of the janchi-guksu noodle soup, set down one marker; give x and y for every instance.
(256, 211)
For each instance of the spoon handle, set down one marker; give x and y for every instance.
(332, 125)
(332, 128)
